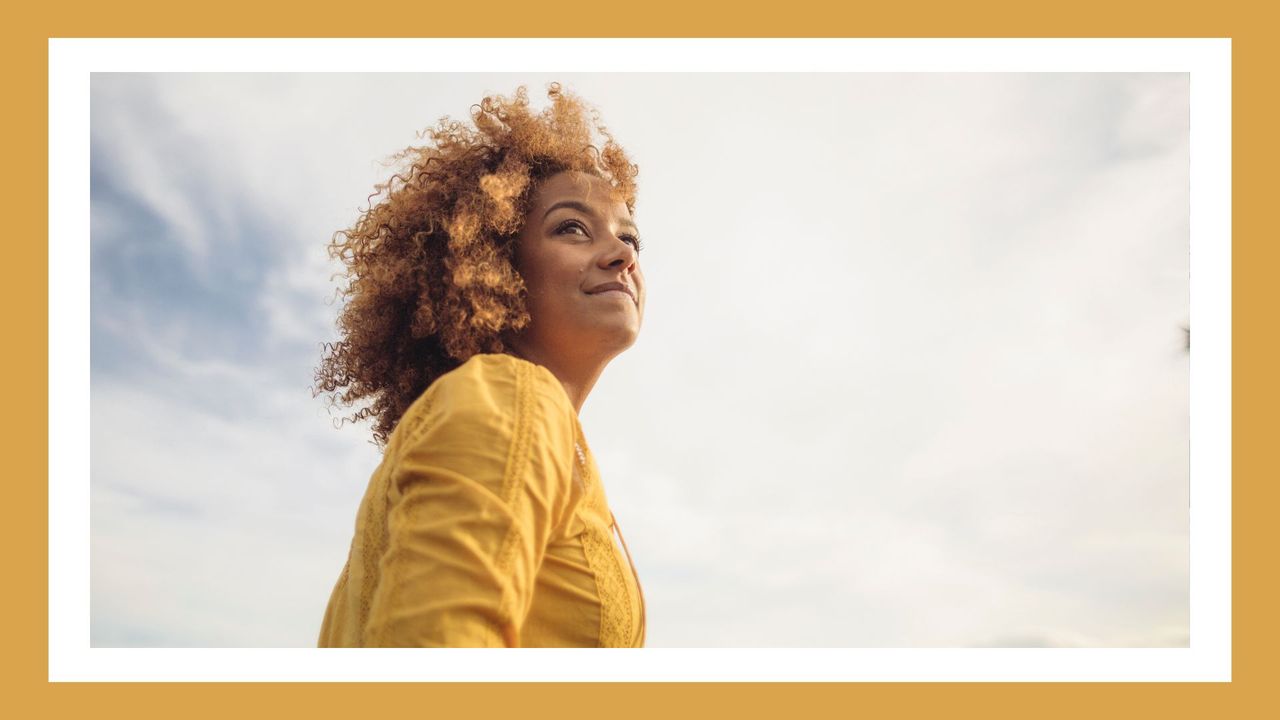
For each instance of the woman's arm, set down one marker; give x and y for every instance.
(476, 493)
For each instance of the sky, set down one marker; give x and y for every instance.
(912, 371)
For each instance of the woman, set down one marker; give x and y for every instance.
(488, 289)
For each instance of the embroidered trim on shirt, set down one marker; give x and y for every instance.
(616, 624)
(615, 601)
(517, 462)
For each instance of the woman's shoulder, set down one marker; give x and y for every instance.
(499, 389)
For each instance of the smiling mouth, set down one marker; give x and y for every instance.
(623, 293)
(620, 292)
(615, 288)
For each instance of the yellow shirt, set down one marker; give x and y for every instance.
(486, 526)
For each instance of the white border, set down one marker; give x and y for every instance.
(1207, 60)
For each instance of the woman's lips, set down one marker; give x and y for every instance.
(614, 287)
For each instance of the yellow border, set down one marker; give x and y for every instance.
(28, 28)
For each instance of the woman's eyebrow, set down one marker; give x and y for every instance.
(586, 210)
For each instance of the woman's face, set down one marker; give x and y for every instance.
(578, 254)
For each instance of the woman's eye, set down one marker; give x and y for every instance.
(578, 228)
(571, 225)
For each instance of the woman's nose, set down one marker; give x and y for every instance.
(623, 255)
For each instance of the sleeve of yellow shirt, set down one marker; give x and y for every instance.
(478, 489)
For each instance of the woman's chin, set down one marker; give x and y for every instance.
(615, 338)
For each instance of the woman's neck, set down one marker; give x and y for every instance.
(577, 375)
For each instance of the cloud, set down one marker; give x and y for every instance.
(911, 373)
(213, 530)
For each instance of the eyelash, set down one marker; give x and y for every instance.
(635, 241)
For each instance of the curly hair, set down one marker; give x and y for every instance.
(429, 273)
